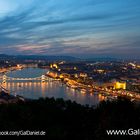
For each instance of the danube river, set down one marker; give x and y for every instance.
(38, 89)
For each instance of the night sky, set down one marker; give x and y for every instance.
(87, 28)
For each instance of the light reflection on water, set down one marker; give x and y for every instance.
(56, 89)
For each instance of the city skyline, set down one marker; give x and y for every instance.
(76, 28)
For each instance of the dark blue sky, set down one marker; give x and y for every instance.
(70, 27)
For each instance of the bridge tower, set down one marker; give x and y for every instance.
(4, 78)
(43, 78)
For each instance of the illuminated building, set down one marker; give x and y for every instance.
(19, 66)
(64, 75)
(61, 76)
(51, 66)
(83, 75)
(132, 64)
(53, 74)
(54, 66)
(120, 85)
(4, 78)
(138, 66)
(100, 71)
(62, 62)
(75, 68)
(76, 75)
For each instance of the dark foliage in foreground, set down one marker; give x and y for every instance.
(68, 120)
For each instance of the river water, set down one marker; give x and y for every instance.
(37, 89)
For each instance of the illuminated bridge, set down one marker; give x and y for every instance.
(42, 78)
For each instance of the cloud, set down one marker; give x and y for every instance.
(65, 27)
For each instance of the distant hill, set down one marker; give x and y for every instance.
(111, 59)
(102, 59)
(38, 57)
(63, 58)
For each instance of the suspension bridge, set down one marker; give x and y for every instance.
(42, 78)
